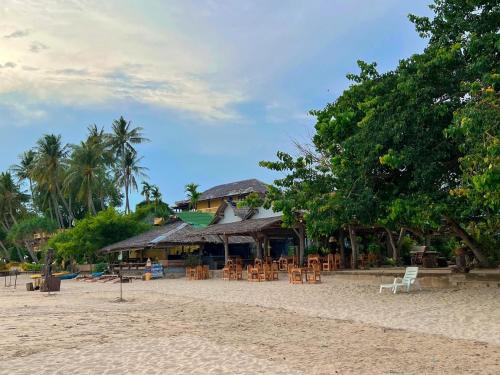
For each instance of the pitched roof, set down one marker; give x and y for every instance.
(142, 240)
(244, 227)
(231, 189)
(177, 233)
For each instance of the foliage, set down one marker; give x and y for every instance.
(415, 147)
(94, 232)
(25, 229)
(32, 267)
(193, 194)
(252, 200)
(101, 267)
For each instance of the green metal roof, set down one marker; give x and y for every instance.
(196, 219)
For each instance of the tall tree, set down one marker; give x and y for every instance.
(156, 195)
(127, 172)
(86, 164)
(146, 191)
(24, 170)
(122, 141)
(193, 195)
(49, 171)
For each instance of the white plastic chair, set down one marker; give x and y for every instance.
(409, 279)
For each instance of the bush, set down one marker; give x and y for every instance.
(101, 267)
(32, 267)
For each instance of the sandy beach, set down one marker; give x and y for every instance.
(175, 326)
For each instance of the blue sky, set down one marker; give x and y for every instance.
(217, 85)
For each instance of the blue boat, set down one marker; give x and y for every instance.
(68, 276)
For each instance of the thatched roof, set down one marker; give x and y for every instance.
(243, 187)
(142, 240)
(245, 227)
(173, 234)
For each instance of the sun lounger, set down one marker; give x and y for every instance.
(409, 279)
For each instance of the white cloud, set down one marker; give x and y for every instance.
(90, 52)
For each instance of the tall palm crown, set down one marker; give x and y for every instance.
(156, 194)
(48, 173)
(122, 141)
(146, 191)
(11, 199)
(193, 194)
(124, 137)
(24, 170)
(86, 166)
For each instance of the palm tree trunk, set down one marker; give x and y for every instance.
(7, 255)
(65, 204)
(90, 202)
(30, 250)
(19, 255)
(56, 210)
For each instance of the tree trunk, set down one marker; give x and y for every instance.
(354, 247)
(30, 250)
(19, 255)
(342, 248)
(90, 202)
(127, 206)
(56, 210)
(65, 204)
(302, 239)
(469, 241)
(7, 255)
(395, 254)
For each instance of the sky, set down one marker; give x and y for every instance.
(216, 85)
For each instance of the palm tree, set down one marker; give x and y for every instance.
(122, 141)
(127, 172)
(146, 191)
(85, 166)
(156, 195)
(11, 200)
(124, 137)
(48, 172)
(193, 195)
(24, 169)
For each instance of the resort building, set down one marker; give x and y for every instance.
(211, 199)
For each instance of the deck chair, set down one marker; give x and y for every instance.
(409, 279)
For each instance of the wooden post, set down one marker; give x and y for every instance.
(266, 247)
(342, 247)
(259, 248)
(226, 247)
(354, 247)
(302, 244)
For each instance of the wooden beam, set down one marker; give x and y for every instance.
(226, 247)
(354, 247)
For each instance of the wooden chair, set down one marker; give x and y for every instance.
(290, 267)
(314, 274)
(257, 262)
(274, 271)
(312, 258)
(206, 272)
(252, 273)
(337, 262)
(362, 260)
(265, 273)
(296, 276)
(226, 271)
(238, 272)
(283, 264)
(329, 264)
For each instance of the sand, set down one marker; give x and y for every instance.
(177, 326)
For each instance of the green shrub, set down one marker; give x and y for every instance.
(101, 267)
(32, 267)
